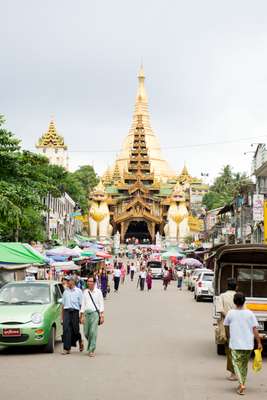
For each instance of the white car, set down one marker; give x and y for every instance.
(204, 285)
(193, 277)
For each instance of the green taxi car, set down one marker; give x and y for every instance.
(30, 314)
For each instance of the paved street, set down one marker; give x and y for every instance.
(156, 345)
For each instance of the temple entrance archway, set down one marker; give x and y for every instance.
(138, 230)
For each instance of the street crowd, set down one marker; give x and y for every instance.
(83, 303)
(83, 299)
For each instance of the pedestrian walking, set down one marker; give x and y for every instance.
(123, 273)
(180, 277)
(132, 271)
(71, 305)
(149, 280)
(128, 268)
(116, 278)
(241, 327)
(104, 282)
(166, 277)
(225, 304)
(142, 279)
(92, 314)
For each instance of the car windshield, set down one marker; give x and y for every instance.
(207, 277)
(25, 294)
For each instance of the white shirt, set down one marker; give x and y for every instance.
(117, 273)
(241, 324)
(143, 274)
(87, 304)
(132, 268)
(180, 274)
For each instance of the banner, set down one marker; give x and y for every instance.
(258, 201)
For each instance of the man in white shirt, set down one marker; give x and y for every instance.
(132, 271)
(117, 278)
(225, 304)
(92, 313)
(241, 327)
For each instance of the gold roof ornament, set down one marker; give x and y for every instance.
(51, 138)
(184, 176)
(107, 177)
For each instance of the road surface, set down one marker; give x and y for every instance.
(156, 345)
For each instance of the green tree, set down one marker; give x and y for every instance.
(25, 179)
(225, 188)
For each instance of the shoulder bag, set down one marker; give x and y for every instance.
(97, 310)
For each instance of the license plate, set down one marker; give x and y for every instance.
(261, 325)
(13, 332)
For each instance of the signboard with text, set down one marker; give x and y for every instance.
(258, 202)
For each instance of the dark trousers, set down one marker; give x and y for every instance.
(132, 275)
(71, 328)
(142, 283)
(116, 282)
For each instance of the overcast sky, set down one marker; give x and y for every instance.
(206, 76)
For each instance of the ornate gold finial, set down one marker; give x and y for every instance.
(141, 92)
(51, 138)
(141, 72)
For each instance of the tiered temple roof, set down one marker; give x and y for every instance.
(51, 138)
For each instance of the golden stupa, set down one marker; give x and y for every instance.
(159, 165)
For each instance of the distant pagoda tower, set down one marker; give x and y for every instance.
(158, 164)
(52, 145)
(116, 177)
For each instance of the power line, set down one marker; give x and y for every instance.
(184, 146)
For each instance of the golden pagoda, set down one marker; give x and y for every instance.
(141, 184)
(158, 164)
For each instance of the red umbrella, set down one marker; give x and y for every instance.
(102, 254)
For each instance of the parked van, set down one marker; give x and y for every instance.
(247, 263)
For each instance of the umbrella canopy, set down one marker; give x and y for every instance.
(88, 253)
(191, 262)
(20, 253)
(64, 252)
(102, 254)
(66, 266)
(172, 253)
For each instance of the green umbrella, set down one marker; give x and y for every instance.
(88, 253)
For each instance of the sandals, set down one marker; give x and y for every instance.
(81, 347)
(241, 390)
(232, 378)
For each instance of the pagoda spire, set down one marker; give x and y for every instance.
(141, 91)
(159, 164)
(116, 173)
(51, 138)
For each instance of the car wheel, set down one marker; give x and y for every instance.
(195, 297)
(198, 298)
(50, 346)
(220, 350)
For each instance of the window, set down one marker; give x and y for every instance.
(57, 293)
(207, 277)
